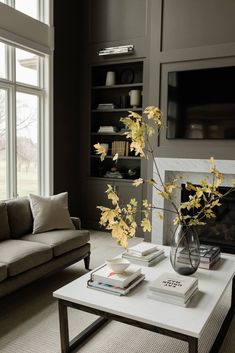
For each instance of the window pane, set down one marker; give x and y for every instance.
(27, 143)
(3, 113)
(3, 66)
(27, 67)
(29, 7)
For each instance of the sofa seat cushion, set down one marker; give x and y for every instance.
(61, 241)
(3, 271)
(20, 256)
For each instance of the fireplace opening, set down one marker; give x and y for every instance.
(218, 231)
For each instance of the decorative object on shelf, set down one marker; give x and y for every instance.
(133, 173)
(118, 265)
(124, 101)
(195, 131)
(110, 78)
(185, 254)
(105, 146)
(135, 98)
(199, 207)
(127, 76)
(122, 49)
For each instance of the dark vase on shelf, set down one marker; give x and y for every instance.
(184, 253)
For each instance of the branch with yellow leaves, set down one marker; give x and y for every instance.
(121, 220)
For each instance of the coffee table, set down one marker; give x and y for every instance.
(202, 324)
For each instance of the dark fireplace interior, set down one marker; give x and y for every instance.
(220, 230)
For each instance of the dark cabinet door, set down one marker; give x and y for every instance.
(118, 22)
(127, 191)
(96, 196)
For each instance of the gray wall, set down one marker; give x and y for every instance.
(193, 34)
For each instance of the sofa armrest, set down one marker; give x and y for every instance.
(77, 222)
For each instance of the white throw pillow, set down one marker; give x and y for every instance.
(50, 212)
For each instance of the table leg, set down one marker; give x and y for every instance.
(64, 330)
(193, 345)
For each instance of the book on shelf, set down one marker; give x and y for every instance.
(207, 253)
(106, 106)
(108, 288)
(170, 299)
(174, 284)
(107, 276)
(143, 248)
(107, 128)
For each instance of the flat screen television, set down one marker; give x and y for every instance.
(201, 104)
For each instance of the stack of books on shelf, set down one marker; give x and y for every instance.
(120, 147)
(107, 128)
(173, 289)
(105, 280)
(145, 254)
(209, 255)
(105, 106)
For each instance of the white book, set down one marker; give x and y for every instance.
(171, 301)
(171, 283)
(174, 298)
(116, 290)
(143, 248)
(145, 258)
(106, 275)
(137, 261)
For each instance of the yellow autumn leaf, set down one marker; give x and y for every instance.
(146, 225)
(138, 182)
(100, 150)
(112, 195)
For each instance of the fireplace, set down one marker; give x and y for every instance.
(220, 230)
(193, 170)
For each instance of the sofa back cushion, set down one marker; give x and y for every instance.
(19, 216)
(4, 225)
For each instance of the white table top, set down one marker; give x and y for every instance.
(190, 321)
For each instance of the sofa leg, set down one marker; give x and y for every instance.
(87, 262)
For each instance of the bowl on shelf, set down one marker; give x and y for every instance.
(118, 265)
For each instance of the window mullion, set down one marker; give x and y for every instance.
(12, 135)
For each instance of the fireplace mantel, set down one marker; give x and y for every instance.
(193, 170)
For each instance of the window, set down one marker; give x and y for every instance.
(26, 67)
(22, 106)
(32, 8)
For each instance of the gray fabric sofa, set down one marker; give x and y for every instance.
(26, 257)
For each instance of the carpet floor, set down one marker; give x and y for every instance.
(29, 317)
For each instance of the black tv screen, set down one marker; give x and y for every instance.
(201, 104)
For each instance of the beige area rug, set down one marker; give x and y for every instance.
(29, 318)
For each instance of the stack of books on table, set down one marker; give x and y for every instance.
(209, 255)
(106, 280)
(173, 289)
(145, 254)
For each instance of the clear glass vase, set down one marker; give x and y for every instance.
(184, 253)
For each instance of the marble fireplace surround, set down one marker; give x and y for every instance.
(193, 170)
